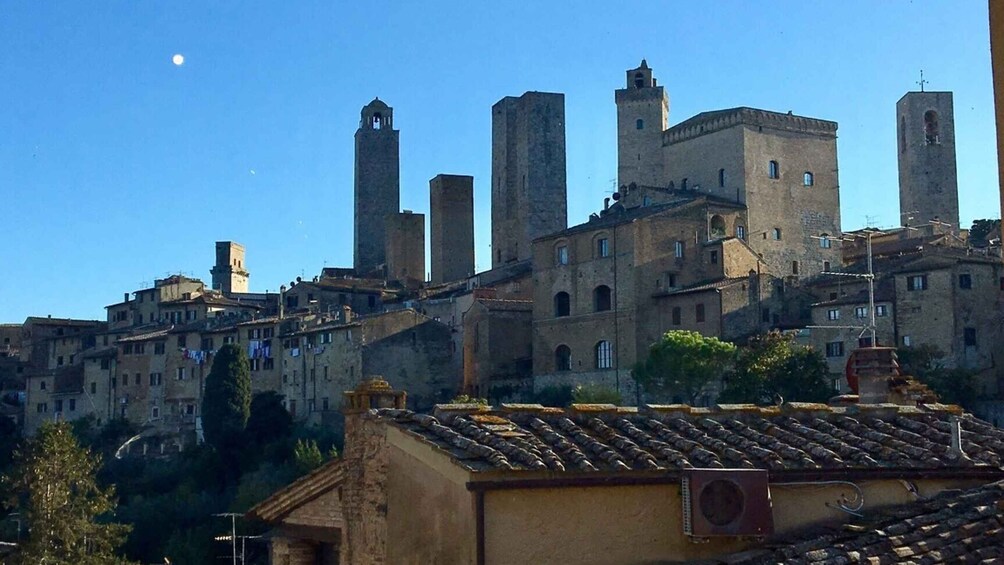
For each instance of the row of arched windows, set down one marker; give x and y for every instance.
(602, 301)
(603, 356)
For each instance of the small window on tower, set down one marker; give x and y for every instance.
(931, 127)
(773, 170)
(721, 178)
(639, 80)
(807, 178)
(639, 124)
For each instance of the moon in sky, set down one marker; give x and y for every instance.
(178, 59)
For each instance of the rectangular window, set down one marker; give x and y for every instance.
(155, 412)
(326, 337)
(139, 379)
(824, 242)
(677, 316)
(181, 373)
(181, 341)
(58, 405)
(670, 280)
(255, 364)
(72, 404)
(833, 314)
(190, 409)
(826, 266)
(269, 363)
(794, 267)
(969, 337)
(679, 248)
(773, 170)
(602, 247)
(835, 349)
(561, 255)
(699, 313)
(324, 404)
(207, 344)
(42, 407)
(881, 310)
(906, 341)
(94, 388)
(965, 281)
(916, 282)
(861, 312)
(127, 349)
(158, 348)
(713, 257)
(59, 361)
(864, 342)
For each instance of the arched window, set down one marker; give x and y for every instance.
(931, 127)
(604, 355)
(824, 241)
(639, 80)
(563, 358)
(721, 178)
(601, 298)
(776, 234)
(717, 227)
(377, 120)
(683, 184)
(773, 170)
(561, 305)
(741, 231)
(639, 124)
(807, 178)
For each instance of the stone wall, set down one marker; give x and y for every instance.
(928, 179)
(377, 184)
(405, 252)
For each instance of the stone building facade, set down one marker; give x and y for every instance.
(377, 191)
(607, 289)
(642, 116)
(405, 253)
(451, 227)
(782, 167)
(498, 357)
(928, 180)
(529, 197)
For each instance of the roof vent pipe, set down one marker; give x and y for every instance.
(957, 438)
(606, 203)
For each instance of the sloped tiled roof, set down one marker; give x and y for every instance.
(500, 305)
(952, 527)
(792, 437)
(704, 286)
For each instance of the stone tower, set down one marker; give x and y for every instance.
(529, 196)
(451, 227)
(642, 116)
(377, 184)
(928, 182)
(229, 274)
(405, 251)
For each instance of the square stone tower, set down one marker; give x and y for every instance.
(642, 116)
(928, 180)
(377, 184)
(405, 246)
(451, 227)
(529, 197)
(229, 274)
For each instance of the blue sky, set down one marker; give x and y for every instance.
(118, 167)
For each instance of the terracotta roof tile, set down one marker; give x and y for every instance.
(952, 527)
(608, 438)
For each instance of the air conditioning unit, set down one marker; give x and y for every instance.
(726, 502)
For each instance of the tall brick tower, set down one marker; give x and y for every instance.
(928, 181)
(451, 227)
(529, 197)
(229, 274)
(377, 184)
(642, 116)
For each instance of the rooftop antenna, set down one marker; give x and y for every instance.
(922, 82)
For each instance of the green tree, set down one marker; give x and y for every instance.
(983, 231)
(62, 503)
(306, 456)
(772, 367)
(595, 394)
(682, 364)
(554, 395)
(468, 399)
(268, 419)
(226, 404)
(926, 363)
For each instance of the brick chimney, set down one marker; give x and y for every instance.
(366, 455)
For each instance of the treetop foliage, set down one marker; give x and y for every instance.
(226, 404)
(682, 365)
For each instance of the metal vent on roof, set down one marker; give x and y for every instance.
(726, 502)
